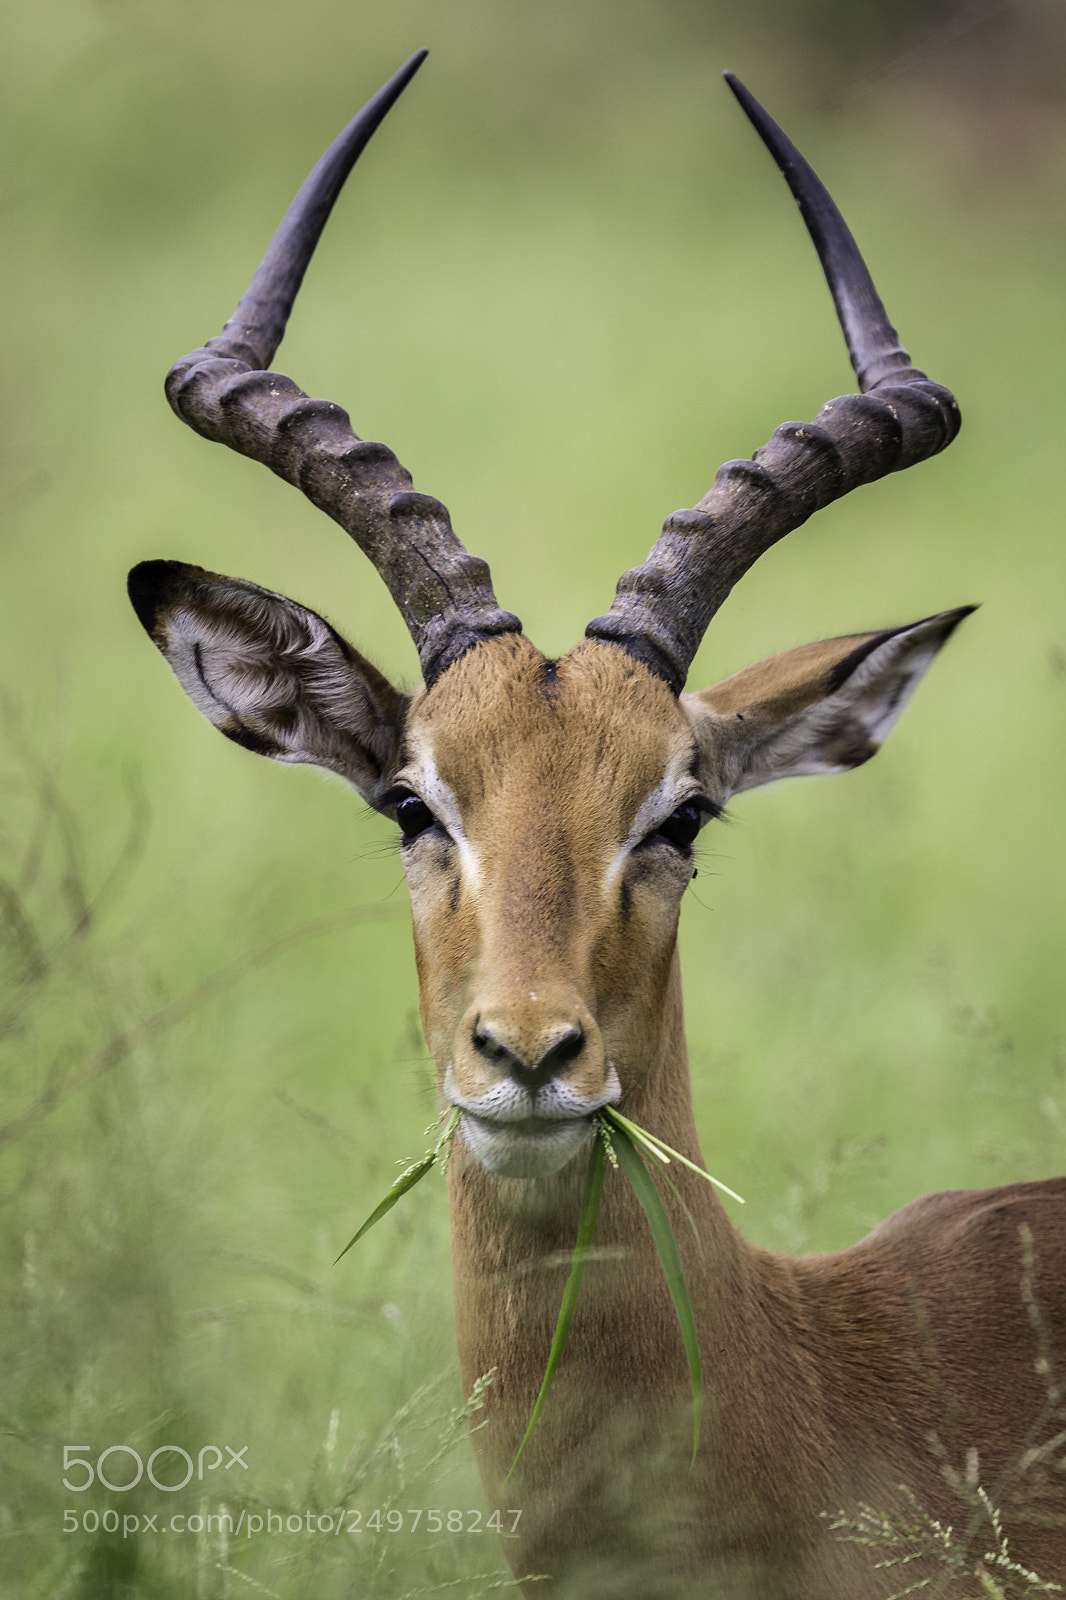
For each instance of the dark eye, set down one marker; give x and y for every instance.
(414, 816)
(681, 827)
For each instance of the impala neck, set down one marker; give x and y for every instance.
(609, 1465)
(512, 1242)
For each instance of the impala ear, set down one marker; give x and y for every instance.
(270, 674)
(825, 707)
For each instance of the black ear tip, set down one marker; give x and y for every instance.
(143, 589)
(150, 584)
(953, 618)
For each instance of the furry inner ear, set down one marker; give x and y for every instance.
(270, 674)
(825, 707)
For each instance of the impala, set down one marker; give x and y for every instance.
(548, 811)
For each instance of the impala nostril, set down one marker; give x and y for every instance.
(562, 1052)
(487, 1046)
(530, 1071)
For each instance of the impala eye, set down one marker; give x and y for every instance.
(682, 826)
(414, 816)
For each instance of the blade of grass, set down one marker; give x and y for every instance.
(675, 1191)
(663, 1234)
(407, 1180)
(603, 1131)
(658, 1147)
(590, 1207)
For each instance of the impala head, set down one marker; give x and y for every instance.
(547, 809)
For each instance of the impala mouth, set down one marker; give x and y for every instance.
(518, 1134)
(534, 1147)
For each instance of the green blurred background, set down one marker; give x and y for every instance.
(564, 284)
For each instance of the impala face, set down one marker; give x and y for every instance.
(548, 812)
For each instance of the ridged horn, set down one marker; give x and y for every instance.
(662, 608)
(225, 393)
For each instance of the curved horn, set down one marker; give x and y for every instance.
(661, 609)
(223, 392)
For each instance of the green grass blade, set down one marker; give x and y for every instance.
(639, 1135)
(443, 1146)
(660, 1148)
(663, 1234)
(675, 1191)
(605, 1133)
(590, 1208)
(410, 1176)
(405, 1181)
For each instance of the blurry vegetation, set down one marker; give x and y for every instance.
(564, 285)
(1013, 48)
(896, 1540)
(132, 1307)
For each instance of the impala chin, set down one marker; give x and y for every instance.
(535, 1148)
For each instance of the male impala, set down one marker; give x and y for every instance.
(548, 811)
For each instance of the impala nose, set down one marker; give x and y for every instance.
(536, 1053)
(491, 1044)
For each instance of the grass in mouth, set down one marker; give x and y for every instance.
(624, 1144)
(407, 1179)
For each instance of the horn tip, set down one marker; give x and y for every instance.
(740, 89)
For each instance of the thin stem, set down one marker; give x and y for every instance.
(663, 1234)
(665, 1152)
(407, 1180)
(590, 1208)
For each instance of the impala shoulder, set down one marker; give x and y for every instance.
(958, 1216)
(993, 1247)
